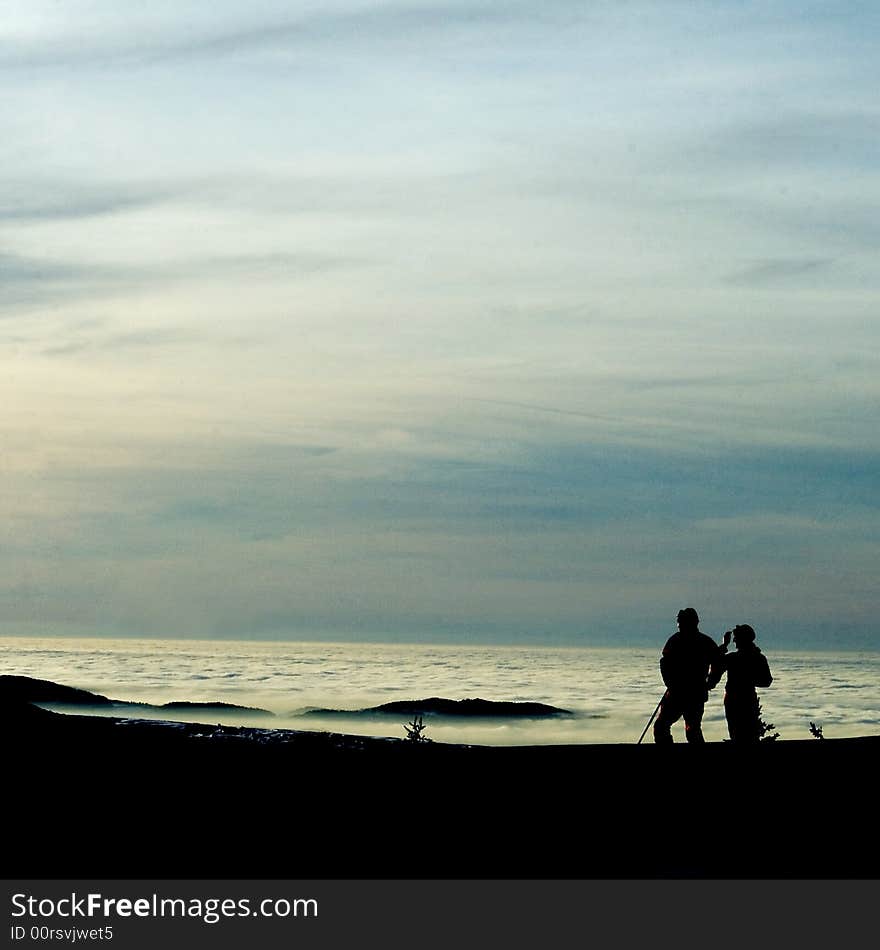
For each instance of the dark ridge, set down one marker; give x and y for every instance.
(25, 689)
(28, 690)
(483, 708)
(184, 706)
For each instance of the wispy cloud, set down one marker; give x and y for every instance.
(31, 282)
(16, 269)
(819, 140)
(360, 23)
(770, 272)
(41, 200)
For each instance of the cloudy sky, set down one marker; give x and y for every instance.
(482, 320)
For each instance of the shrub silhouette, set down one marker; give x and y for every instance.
(415, 729)
(765, 728)
(816, 731)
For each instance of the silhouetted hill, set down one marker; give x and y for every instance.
(183, 706)
(28, 690)
(435, 705)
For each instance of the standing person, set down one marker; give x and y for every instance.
(690, 662)
(746, 669)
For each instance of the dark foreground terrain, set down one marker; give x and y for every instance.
(109, 798)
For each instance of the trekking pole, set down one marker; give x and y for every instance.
(653, 714)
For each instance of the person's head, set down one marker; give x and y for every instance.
(743, 635)
(688, 620)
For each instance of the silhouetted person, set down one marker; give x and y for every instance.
(746, 669)
(690, 661)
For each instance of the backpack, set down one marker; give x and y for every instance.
(761, 671)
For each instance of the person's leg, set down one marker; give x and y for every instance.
(669, 714)
(741, 713)
(693, 723)
(730, 716)
(751, 718)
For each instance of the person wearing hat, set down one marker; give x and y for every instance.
(690, 661)
(746, 669)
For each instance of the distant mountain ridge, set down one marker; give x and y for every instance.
(29, 690)
(438, 706)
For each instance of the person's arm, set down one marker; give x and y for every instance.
(667, 665)
(664, 669)
(719, 662)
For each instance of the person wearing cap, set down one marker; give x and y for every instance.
(746, 669)
(690, 661)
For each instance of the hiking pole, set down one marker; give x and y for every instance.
(653, 714)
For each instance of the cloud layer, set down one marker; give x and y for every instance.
(438, 319)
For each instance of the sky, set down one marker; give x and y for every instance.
(439, 320)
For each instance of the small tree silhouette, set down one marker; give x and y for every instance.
(816, 731)
(415, 729)
(765, 728)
